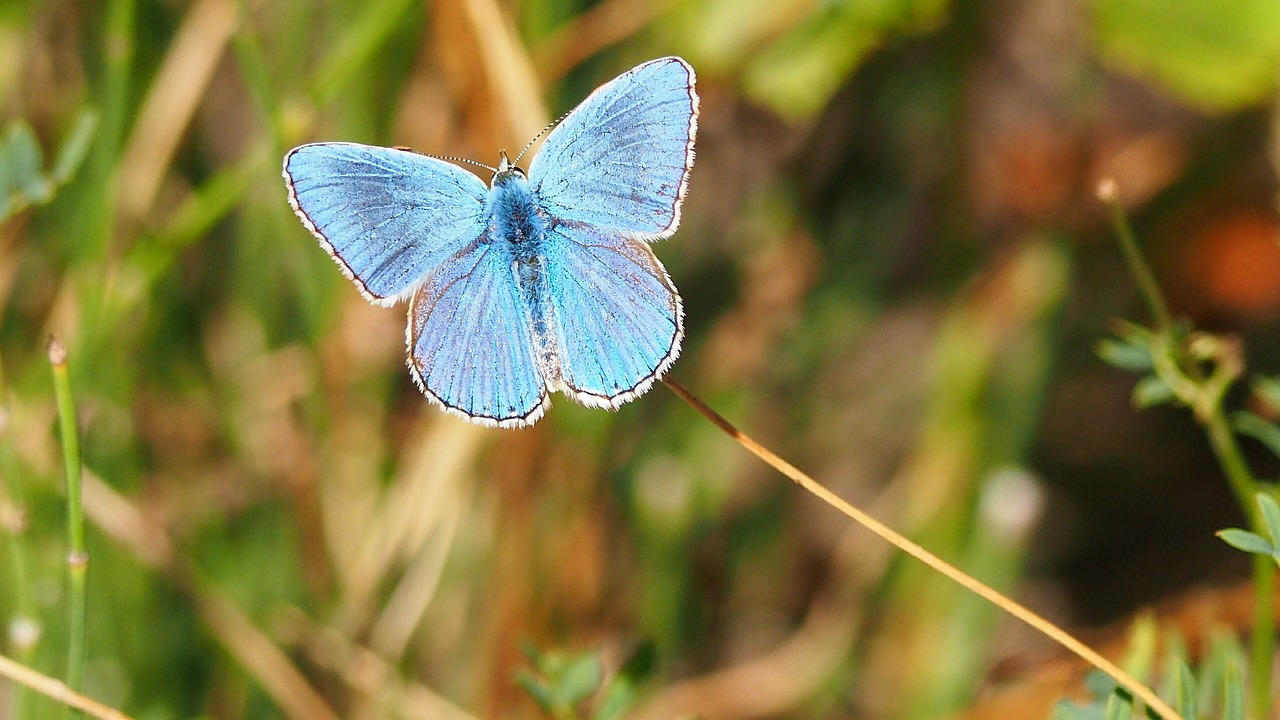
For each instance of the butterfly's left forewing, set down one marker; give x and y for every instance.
(617, 315)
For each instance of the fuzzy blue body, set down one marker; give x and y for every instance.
(518, 229)
(535, 283)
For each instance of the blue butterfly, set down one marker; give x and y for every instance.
(541, 281)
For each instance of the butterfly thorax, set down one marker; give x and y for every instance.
(514, 215)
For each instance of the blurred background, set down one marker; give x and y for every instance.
(895, 271)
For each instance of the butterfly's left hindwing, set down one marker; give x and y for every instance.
(471, 343)
(387, 216)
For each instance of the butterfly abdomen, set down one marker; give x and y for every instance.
(535, 287)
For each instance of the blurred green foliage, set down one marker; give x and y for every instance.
(1214, 689)
(560, 683)
(1218, 56)
(24, 179)
(893, 267)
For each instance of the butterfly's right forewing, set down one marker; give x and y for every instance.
(387, 216)
(621, 159)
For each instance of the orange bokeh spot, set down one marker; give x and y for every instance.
(1236, 264)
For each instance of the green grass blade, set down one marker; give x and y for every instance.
(77, 556)
(75, 147)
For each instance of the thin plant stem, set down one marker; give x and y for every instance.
(1239, 477)
(77, 555)
(56, 690)
(1204, 395)
(1245, 488)
(1055, 633)
(1108, 193)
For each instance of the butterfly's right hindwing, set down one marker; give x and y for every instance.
(618, 317)
(387, 216)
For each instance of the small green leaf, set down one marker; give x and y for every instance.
(1267, 388)
(537, 688)
(1225, 654)
(1270, 514)
(1232, 694)
(1267, 433)
(1151, 391)
(579, 679)
(1246, 541)
(1184, 691)
(1124, 355)
(1132, 333)
(75, 147)
(1140, 654)
(532, 654)
(1119, 706)
(26, 162)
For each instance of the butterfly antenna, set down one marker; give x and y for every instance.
(450, 158)
(538, 137)
(455, 158)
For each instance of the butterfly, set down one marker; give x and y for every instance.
(542, 281)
